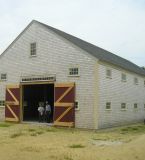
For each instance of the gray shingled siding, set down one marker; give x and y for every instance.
(115, 91)
(54, 56)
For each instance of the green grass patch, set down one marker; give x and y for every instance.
(5, 124)
(77, 146)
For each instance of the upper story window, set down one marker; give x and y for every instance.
(123, 77)
(33, 49)
(135, 80)
(108, 105)
(144, 83)
(108, 73)
(3, 76)
(135, 106)
(74, 71)
(123, 106)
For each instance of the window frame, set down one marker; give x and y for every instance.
(136, 82)
(33, 49)
(123, 75)
(74, 75)
(78, 108)
(1, 79)
(2, 103)
(124, 109)
(109, 76)
(108, 109)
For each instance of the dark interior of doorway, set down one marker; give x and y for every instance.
(33, 95)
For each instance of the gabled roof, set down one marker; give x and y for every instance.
(99, 53)
(95, 51)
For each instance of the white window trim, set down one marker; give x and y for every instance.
(109, 77)
(123, 80)
(77, 109)
(110, 107)
(74, 66)
(1, 106)
(136, 83)
(35, 55)
(134, 107)
(124, 109)
(3, 79)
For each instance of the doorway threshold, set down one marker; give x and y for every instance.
(37, 123)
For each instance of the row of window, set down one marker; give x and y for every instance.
(72, 72)
(123, 77)
(123, 106)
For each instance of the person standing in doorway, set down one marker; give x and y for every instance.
(41, 113)
(47, 112)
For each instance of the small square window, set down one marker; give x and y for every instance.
(74, 71)
(123, 106)
(135, 81)
(76, 105)
(3, 77)
(2, 103)
(33, 49)
(108, 105)
(108, 73)
(123, 77)
(135, 106)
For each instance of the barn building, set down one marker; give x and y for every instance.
(86, 86)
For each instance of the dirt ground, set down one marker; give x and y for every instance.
(36, 142)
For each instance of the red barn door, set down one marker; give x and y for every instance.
(12, 106)
(64, 112)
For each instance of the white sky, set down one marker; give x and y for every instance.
(115, 25)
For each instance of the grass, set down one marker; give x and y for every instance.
(28, 141)
(76, 146)
(5, 124)
(15, 135)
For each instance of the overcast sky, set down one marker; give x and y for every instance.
(115, 25)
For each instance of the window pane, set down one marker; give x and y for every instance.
(33, 48)
(73, 71)
(3, 76)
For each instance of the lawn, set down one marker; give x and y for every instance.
(36, 142)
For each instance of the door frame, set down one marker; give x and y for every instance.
(21, 94)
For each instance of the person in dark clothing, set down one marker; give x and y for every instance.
(47, 112)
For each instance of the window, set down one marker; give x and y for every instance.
(33, 49)
(2, 103)
(76, 105)
(74, 71)
(3, 76)
(144, 106)
(108, 73)
(108, 105)
(135, 80)
(123, 106)
(123, 77)
(144, 83)
(135, 106)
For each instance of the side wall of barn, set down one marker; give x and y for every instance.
(55, 55)
(116, 91)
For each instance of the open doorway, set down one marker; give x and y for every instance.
(33, 96)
